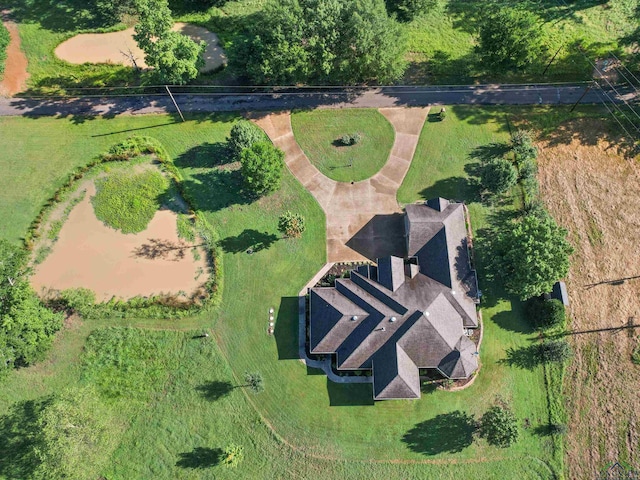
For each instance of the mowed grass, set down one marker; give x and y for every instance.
(128, 200)
(318, 132)
(320, 429)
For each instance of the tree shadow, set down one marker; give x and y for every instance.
(158, 248)
(446, 433)
(527, 358)
(349, 394)
(217, 188)
(510, 321)
(200, 458)
(18, 434)
(204, 155)
(485, 153)
(215, 390)
(453, 188)
(286, 328)
(250, 241)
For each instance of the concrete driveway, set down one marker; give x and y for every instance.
(363, 218)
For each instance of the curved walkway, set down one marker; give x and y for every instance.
(361, 215)
(15, 75)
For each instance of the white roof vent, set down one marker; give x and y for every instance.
(426, 314)
(393, 319)
(354, 318)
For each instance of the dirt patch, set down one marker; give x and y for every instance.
(15, 68)
(91, 255)
(595, 193)
(117, 47)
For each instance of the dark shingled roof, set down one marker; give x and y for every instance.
(393, 320)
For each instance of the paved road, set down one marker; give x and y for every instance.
(384, 97)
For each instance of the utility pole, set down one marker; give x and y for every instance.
(174, 102)
(552, 59)
(589, 87)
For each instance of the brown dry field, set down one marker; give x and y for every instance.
(594, 192)
(109, 47)
(91, 255)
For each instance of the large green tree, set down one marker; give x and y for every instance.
(26, 326)
(321, 41)
(407, 10)
(499, 426)
(509, 38)
(262, 165)
(175, 57)
(533, 254)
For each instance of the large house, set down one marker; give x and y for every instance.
(404, 314)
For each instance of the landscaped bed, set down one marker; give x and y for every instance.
(320, 135)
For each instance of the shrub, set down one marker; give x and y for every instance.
(254, 381)
(527, 169)
(262, 165)
(558, 429)
(523, 147)
(499, 426)
(244, 134)
(442, 114)
(635, 355)
(407, 10)
(546, 313)
(4, 42)
(291, 224)
(350, 139)
(233, 455)
(498, 176)
(555, 351)
(79, 300)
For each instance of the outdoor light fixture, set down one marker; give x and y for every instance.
(271, 310)
(271, 317)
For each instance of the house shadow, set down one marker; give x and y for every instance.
(200, 458)
(250, 241)
(446, 433)
(349, 394)
(383, 235)
(286, 329)
(215, 390)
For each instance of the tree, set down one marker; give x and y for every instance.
(175, 57)
(254, 381)
(509, 38)
(233, 455)
(499, 426)
(27, 327)
(243, 135)
(407, 10)
(321, 41)
(262, 167)
(546, 313)
(498, 176)
(291, 224)
(76, 436)
(532, 255)
(555, 351)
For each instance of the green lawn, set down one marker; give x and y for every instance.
(302, 426)
(318, 132)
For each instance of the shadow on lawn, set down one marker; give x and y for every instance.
(446, 433)
(286, 329)
(215, 390)
(18, 431)
(248, 239)
(349, 394)
(200, 457)
(454, 188)
(204, 155)
(526, 358)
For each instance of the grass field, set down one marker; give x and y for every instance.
(319, 132)
(127, 201)
(302, 425)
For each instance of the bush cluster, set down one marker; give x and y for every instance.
(546, 313)
(291, 225)
(4, 43)
(555, 351)
(499, 426)
(243, 135)
(350, 139)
